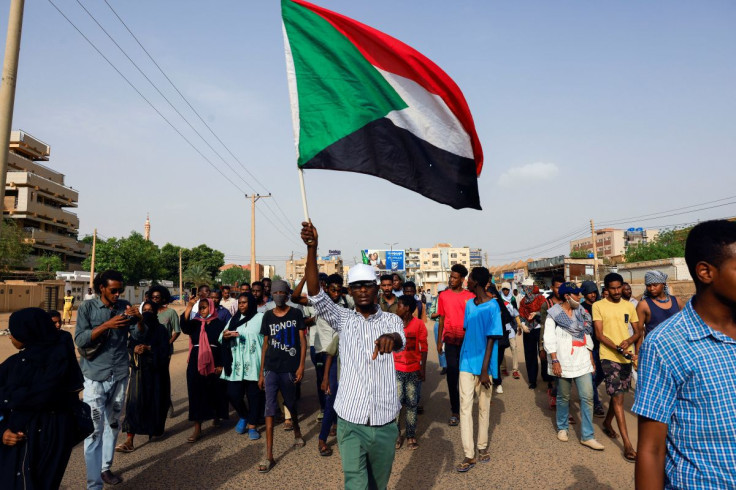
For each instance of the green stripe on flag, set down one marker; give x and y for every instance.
(339, 90)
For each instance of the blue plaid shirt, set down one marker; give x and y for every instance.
(687, 380)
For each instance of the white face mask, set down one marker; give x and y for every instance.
(573, 304)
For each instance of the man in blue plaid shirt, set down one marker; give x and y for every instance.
(686, 398)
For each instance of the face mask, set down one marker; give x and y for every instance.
(279, 299)
(149, 316)
(573, 304)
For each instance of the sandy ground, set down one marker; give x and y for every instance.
(523, 444)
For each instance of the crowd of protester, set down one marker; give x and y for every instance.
(248, 349)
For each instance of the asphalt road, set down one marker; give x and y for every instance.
(524, 449)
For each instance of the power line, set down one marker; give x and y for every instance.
(565, 237)
(610, 222)
(199, 116)
(144, 97)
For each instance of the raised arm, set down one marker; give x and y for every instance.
(311, 274)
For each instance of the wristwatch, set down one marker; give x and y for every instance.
(554, 361)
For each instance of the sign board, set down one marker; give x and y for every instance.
(335, 252)
(508, 275)
(385, 260)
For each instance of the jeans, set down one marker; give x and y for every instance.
(283, 383)
(443, 360)
(318, 359)
(469, 388)
(408, 385)
(453, 372)
(330, 415)
(367, 453)
(501, 358)
(585, 389)
(105, 399)
(236, 390)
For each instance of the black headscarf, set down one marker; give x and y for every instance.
(33, 327)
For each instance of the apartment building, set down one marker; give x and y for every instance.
(435, 264)
(331, 264)
(612, 243)
(37, 198)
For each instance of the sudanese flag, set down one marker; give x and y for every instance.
(365, 102)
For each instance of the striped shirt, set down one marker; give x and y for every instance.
(367, 393)
(687, 380)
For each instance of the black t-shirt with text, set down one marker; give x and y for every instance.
(284, 345)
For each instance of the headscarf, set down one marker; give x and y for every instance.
(580, 324)
(205, 359)
(656, 277)
(33, 327)
(532, 301)
(237, 320)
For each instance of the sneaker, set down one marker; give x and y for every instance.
(593, 444)
(499, 389)
(443, 371)
(598, 412)
(110, 479)
(240, 426)
(321, 415)
(516, 375)
(505, 372)
(562, 435)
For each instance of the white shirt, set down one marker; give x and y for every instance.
(574, 361)
(231, 304)
(367, 393)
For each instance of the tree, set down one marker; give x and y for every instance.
(47, 265)
(579, 254)
(276, 277)
(197, 274)
(169, 261)
(667, 244)
(134, 257)
(14, 250)
(234, 275)
(207, 257)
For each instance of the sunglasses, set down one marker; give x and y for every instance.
(363, 285)
(116, 290)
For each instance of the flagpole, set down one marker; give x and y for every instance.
(304, 195)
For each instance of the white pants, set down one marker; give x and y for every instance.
(469, 388)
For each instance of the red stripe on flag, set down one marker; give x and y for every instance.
(392, 55)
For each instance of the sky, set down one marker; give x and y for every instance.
(612, 111)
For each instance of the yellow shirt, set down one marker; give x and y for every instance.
(68, 302)
(616, 318)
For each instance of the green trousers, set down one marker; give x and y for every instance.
(367, 454)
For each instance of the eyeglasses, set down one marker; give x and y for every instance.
(116, 290)
(156, 296)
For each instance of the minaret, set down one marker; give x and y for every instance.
(147, 229)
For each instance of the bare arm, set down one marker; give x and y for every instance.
(311, 273)
(642, 311)
(302, 355)
(296, 296)
(485, 379)
(650, 458)
(440, 331)
(598, 325)
(261, 379)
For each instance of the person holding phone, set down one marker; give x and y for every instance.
(611, 318)
(103, 327)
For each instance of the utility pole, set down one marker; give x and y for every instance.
(7, 89)
(254, 276)
(92, 265)
(486, 256)
(181, 284)
(595, 253)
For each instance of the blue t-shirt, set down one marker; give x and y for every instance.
(481, 321)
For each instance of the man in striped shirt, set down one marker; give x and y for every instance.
(367, 402)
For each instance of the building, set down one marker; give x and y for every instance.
(412, 263)
(77, 282)
(476, 257)
(514, 272)
(610, 243)
(37, 198)
(613, 243)
(576, 270)
(331, 264)
(435, 264)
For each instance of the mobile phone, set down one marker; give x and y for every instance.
(626, 318)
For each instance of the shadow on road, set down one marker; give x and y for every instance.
(585, 478)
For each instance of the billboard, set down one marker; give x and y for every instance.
(385, 260)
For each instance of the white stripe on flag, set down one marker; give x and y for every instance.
(428, 117)
(293, 94)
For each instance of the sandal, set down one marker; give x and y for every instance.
(484, 456)
(124, 448)
(333, 431)
(299, 442)
(288, 425)
(194, 438)
(265, 466)
(610, 432)
(630, 456)
(465, 465)
(399, 442)
(454, 421)
(412, 444)
(217, 423)
(325, 450)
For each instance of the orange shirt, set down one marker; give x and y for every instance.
(409, 359)
(451, 306)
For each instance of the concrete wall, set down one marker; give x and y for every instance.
(675, 268)
(16, 295)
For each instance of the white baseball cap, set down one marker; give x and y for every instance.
(505, 285)
(361, 272)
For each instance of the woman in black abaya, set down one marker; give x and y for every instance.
(147, 401)
(38, 388)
